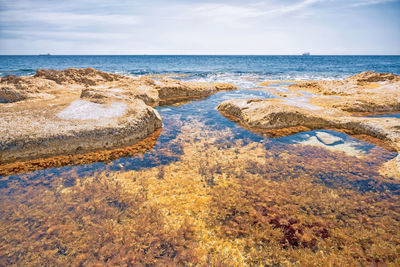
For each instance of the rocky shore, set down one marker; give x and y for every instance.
(77, 111)
(340, 105)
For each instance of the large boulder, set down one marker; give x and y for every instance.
(170, 90)
(265, 114)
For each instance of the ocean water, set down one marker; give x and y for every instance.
(211, 68)
(193, 134)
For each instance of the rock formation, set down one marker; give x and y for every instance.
(338, 106)
(364, 92)
(83, 110)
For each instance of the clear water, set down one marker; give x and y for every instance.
(348, 169)
(386, 115)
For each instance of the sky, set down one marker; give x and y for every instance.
(132, 27)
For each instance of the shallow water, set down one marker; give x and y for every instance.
(387, 115)
(168, 148)
(210, 192)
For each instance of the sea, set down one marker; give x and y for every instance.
(211, 68)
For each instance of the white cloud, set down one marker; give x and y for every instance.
(68, 18)
(285, 9)
(251, 11)
(226, 10)
(194, 27)
(371, 2)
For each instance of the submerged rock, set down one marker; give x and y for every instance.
(328, 139)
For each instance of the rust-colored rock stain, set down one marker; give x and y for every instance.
(80, 159)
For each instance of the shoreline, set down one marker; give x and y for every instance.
(103, 90)
(75, 111)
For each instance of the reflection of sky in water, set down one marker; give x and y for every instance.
(346, 143)
(387, 115)
(168, 149)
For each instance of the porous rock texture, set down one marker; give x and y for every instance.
(83, 110)
(364, 92)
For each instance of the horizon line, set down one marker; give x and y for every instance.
(145, 54)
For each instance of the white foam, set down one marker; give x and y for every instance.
(85, 110)
(251, 80)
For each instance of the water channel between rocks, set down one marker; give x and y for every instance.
(198, 121)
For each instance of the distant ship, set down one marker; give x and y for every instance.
(48, 54)
(306, 54)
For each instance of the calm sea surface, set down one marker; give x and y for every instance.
(211, 67)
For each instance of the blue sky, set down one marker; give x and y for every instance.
(200, 27)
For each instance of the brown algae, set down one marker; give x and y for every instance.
(220, 204)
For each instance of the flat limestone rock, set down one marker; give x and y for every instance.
(364, 92)
(86, 110)
(78, 127)
(267, 114)
(391, 168)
